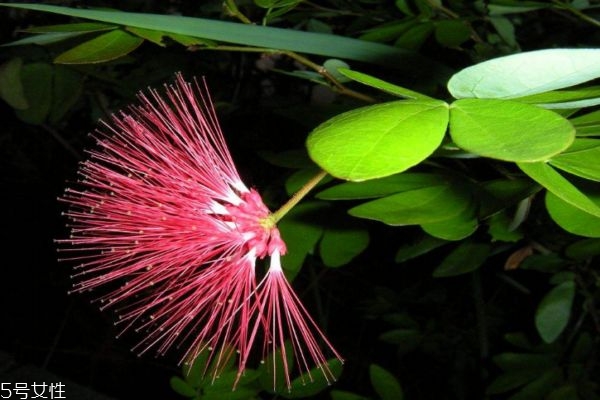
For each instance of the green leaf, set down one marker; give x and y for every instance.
(333, 66)
(342, 395)
(494, 128)
(526, 74)
(37, 87)
(76, 27)
(11, 87)
(512, 380)
(583, 249)
(67, 87)
(314, 381)
(272, 372)
(416, 207)
(502, 193)
(561, 99)
(150, 35)
(301, 230)
(452, 32)
(382, 187)
(381, 84)
(546, 176)
(105, 47)
(554, 311)
(415, 36)
(406, 340)
(572, 219)
(385, 384)
(456, 228)
(500, 229)
(340, 245)
(524, 361)
(45, 38)
(467, 257)
(567, 392)
(413, 250)
(253, 35)
(540, 387)
(580, 159)
(181, 387)
(380, 140)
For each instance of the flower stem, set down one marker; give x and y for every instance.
(299, 195)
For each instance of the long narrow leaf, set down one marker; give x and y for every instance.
(254, 35)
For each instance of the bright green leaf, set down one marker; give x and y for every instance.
(380, 140)
(570, 98)
(381, 84)
(382, 187)
(580, 159)
(385, 384)
(339, 246)
(105, 47)
(554, 311)
(527, 73)
(494, 128)
(455, 228)
(467, 257)
(416, 207)
(572, 219)
(11, 87)
(546, 176)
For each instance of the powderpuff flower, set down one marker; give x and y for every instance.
(162, 221)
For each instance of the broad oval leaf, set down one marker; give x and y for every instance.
(554, 311)
(467, 257)
(385, 384)
(571, 218)
(105, 47)
(380, 140)
(37, 86)
(340, 245)
(580, 159)
(456, 228)
(416, 207)
(546, 176)
(526, 73)
(508, 130)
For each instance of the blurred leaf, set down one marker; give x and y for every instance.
(105, 47)
(554, 311)
(37, 86)
(67, 88)
(505, 29)
(416, 207)
(339, 246)
(548, 263)
(11, 87)
(559, 186)
(527, 73)
(388, 31)
(583, 249)
(381, 85)
(299, 178)
(540, 387)
(572, 219)
(342, 395)
(518, 339)
(466, 257)
(512, 380)
(301, 230)
(380, 140)
(333, 66)
(406, 340)
(423, 246)
(314, 381)
(580, 159)
(493, 128)
(181, 387)
(524, 361)
(415, 36)
(499, 229)
(567, 392)
(45, 38)
(452, 32)
(385, 384)
(504, 193)
(382, 186)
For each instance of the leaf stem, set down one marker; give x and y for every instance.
(272, 219)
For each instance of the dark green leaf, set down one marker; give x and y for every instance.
(583, 249)
(181, 387)
(76, 27)
(512, 380)
(67, 88)
(415, 36)
(540, 387)
(467, 257)
(314, 381)
(37, 86)
(524, 361)
(105, 47)
(339, 246)
(423, 246)
(416, 207)
(11, 87)
(385, 384)
(452, 32)
(554, 311)
(342, 395)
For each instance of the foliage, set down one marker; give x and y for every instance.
(471, 161)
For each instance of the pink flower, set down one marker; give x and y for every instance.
(164, 222)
